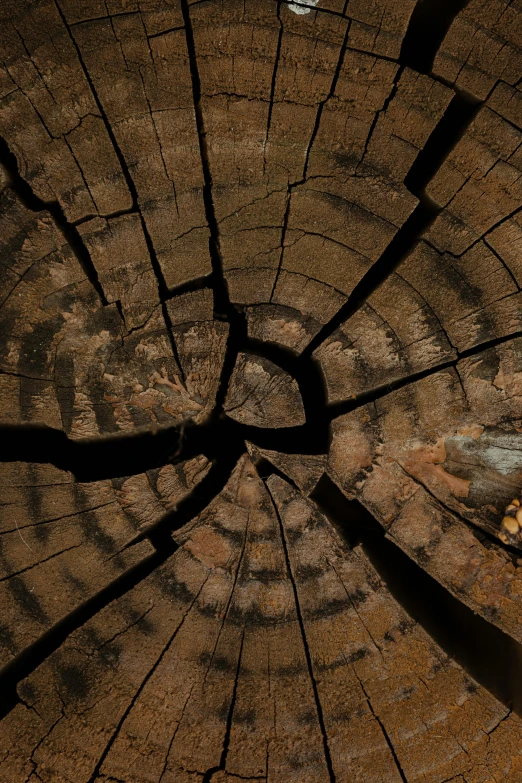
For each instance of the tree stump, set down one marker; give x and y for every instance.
(261, 391)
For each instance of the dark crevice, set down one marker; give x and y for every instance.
(486, 653)
(117, 149)
(196, 284)
(447, 133)
(68, 230)
(237, 340)
(500, 260)
(164, 32)
(335, 409)
(95, 775)
(34, 654)
(293, 185)
(457, 118)
(384, 733)
(323, 103)
(222, 441)
(230, 450)
(429, 23)
(89, 460)
(320, 716)
(126, 454)
(163, 291)
(265, 469)
(107, 18)
(284, 229)
(379, 113)
(14, 574)
(312, 387)
(222, 304)
(223, 307)
(399, 248)
(228, 728)
(274, 80)
(119, 308)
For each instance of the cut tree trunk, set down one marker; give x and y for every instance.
(260, 391)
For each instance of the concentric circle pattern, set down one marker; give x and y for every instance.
(261, 391)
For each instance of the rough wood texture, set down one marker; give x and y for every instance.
(260, 391)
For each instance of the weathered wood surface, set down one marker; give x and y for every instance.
(249, 249)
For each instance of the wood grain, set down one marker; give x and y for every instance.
(249, 251)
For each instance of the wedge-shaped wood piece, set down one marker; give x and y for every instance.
(261, 394)
(382, 684)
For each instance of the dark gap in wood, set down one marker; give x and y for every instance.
(95, 775)
(207, 777)
(384, 733)
(163, 291)
(399, 248)
(237, 338)
(378, 113)
(196, 284)
(304, 439)
(163, 32)
(265, 469)
(320, 717)
(293, 185)
(323, 103)
(448, 131)
(335, 409)
(309, 378)
(125, 454)
(429, 23)
(23, 664)
(222, 303)
(273, 82)
(68, 230)
(484, 239)
(457, 118)
(119, 308)
(159, 532)
(487, 654)
(284, 228)
(223, 307)
(117, 149)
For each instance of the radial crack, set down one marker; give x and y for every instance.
(143, 683)
(68, 230)
(448, 131)
(429, 23)
(486, 653)
(163, 290)
(320, 716)
(226, 740)
(32, 656)
(293, 185)
(335, 409)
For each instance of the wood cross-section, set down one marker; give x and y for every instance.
(260, 391)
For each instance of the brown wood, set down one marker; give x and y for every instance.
(260, 391)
